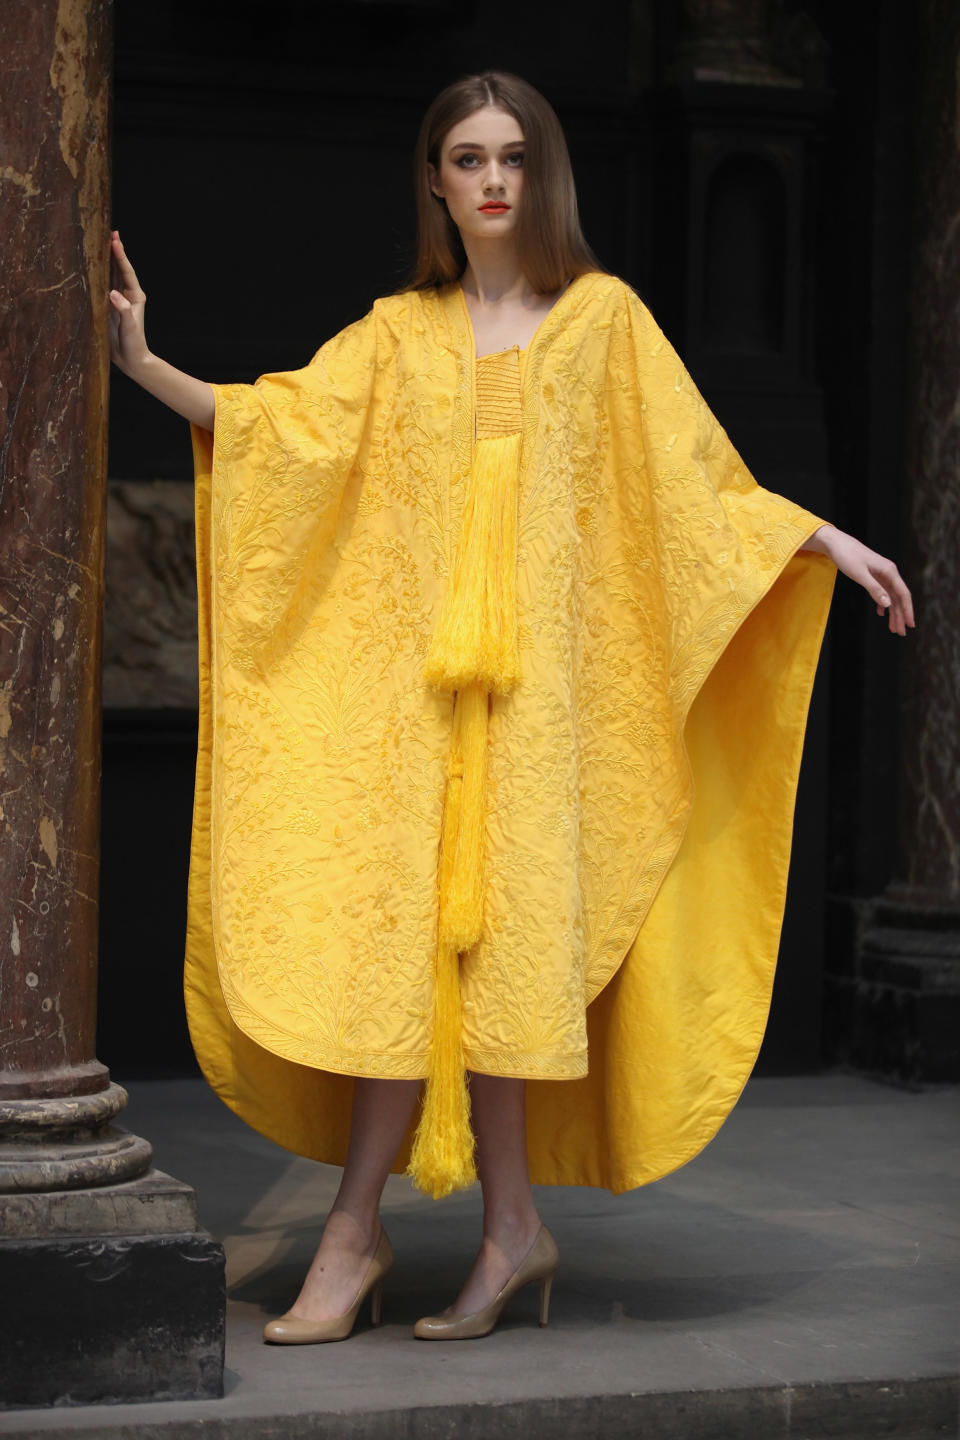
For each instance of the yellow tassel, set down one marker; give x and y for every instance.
(476, 637)
(442, 1156)
(461, 888)
(474, 651)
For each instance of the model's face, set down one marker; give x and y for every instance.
(481, 173)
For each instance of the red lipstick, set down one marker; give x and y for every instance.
(495, 207)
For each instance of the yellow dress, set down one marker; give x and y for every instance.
(641, 772)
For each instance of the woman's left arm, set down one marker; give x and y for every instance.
(879, 577)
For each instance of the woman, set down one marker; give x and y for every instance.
(486, 596)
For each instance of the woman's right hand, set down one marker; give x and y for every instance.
(193, 399)
(128, 345)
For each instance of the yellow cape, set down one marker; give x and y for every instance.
(642, 773)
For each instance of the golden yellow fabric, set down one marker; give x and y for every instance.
(642, 773)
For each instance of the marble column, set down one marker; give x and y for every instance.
(77, 1193)
(907, 1012)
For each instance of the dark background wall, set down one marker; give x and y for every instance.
(262, 187)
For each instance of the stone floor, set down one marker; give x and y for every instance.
(800, 1278)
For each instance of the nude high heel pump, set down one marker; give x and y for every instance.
(539, 1263)
(294, 1330)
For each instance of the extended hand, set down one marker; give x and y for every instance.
(193, 399)
(879, 577)
(128, 345)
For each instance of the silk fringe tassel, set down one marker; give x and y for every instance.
(474, 651)
(476, 638)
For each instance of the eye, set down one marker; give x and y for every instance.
(517, 156)
(462, 162)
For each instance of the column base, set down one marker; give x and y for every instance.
(65, 1142)
(893, 990)
(112, 1294)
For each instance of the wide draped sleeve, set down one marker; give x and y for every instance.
(719, 538)
(270, 479)
(285, 460)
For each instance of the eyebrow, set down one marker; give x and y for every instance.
(475, 145)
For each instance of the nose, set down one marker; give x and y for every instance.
(494, 177)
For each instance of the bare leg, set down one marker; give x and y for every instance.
(510, 1219)
(381, 1113)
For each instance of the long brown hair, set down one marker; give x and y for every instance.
(551, 245)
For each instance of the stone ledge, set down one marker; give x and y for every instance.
(153, 1204)
(918, 1409)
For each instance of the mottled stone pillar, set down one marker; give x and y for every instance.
(55, 359)
(99, 1254)
(908, 1010)
(930, 834)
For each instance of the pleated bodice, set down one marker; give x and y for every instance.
(499, 377)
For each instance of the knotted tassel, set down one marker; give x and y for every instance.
(474, 652)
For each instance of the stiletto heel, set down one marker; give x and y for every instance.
(545, 1298)
(539, 1263)
(294, 1330)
